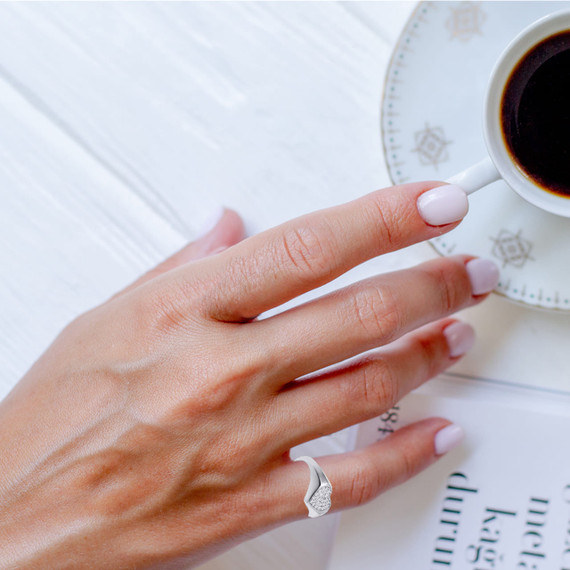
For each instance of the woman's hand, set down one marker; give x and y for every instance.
(158, 425)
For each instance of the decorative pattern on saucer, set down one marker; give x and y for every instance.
(511, 248)
(432, 113)
(431, 146)
(466, 20)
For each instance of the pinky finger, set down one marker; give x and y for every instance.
(360, 476)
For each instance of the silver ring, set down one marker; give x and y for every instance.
(318, 496)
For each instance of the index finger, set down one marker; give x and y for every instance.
(275, 266)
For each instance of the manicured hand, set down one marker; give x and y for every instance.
(158, 425)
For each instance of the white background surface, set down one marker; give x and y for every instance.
(123, 125)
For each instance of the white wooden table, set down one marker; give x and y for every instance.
(124, 124)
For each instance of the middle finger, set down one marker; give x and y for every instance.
(369, 314)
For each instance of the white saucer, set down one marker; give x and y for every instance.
(432, 113)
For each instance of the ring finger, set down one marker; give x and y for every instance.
(365, 388)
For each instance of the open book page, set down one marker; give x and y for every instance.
(501, 500)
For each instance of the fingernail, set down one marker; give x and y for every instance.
(448, 438)
(210, 221)
(443, 205)
(219, 249)
(483, 274)
(460, 338)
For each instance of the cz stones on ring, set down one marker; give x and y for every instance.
(318, 496)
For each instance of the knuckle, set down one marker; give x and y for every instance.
(307, 250)
(161, 313)
(377, 311)
(387, 220)
(410, 462)
(166, 307)
(431, 355)
(378, 384)
(449, 280)
(365, 484)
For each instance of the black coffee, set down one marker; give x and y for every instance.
(535, 113)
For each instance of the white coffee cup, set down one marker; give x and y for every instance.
(500, 164)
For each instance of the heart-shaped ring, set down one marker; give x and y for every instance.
(318, 496)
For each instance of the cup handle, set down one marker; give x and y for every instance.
(476, 176)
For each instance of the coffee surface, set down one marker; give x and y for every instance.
(535, 113)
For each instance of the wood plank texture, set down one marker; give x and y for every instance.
(124, 124)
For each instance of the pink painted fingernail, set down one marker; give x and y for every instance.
(210, 221)
(483, 274)
(460, 338)
(443, 205)
(448, 438)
